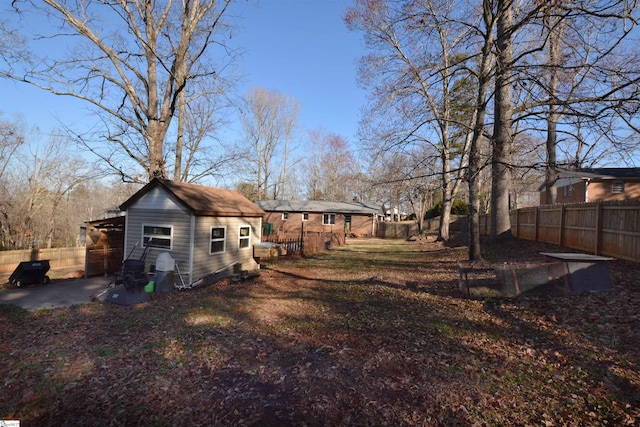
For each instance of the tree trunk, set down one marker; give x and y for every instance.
(475, 253)
(551, 190)
(445, 216)
(478, 129)
(177, 171)
(502, 132)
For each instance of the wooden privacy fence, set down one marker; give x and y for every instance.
(602, 228)
(406, 229)
(58, 257)
(307, 244)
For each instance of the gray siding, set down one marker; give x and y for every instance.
(158, 199)
(205, 263)
(160, 209)
(180, 221)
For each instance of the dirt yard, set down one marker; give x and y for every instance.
(373, 333)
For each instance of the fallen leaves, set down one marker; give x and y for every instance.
(373, 333)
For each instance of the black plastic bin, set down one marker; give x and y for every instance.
(30, 272)
(133, 267)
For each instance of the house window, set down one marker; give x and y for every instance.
(617, 187)
(305, 216)
(245, 237)
(216, 243)
(160, 236)
(567, 190)
(329, 219)
(285, 216)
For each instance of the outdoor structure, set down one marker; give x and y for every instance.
(104, 246)
(559, 274)
(292, 216)
(209, 232)
(595, 185)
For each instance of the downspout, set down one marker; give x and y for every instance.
(373, 225)
(586, 191)
(192, 244)
(126, 228)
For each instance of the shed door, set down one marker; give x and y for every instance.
(347, 223)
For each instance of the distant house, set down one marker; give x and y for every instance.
(203, 229)
(393, 214)
(356, 218)
(596, 184)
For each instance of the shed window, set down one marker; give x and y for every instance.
(216, 244)
(329, 219)
(617, 187)
(245, 237)
(567, 190)
(305, 216)
(160, 236)
(285, 216)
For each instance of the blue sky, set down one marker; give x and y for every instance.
(301, 48)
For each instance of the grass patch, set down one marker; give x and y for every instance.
(12, 312)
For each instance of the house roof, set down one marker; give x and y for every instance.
(201, 200)
(603, 173)
(319, 206)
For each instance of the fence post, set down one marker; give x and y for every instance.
(562, 212)
(598, 229)
(536, 223)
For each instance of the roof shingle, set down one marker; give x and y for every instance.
(319, 206)
(202, 200)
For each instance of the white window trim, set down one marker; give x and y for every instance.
(170, 237)
(303, 216)
(329, 215)
(241, 238)
(224, 240)
(285, 216)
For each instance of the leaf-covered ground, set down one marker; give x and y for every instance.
(373, 333)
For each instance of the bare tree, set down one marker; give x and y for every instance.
(418, 181)
(330, 168)
(198, 152)
(268, 120)
(417, 58)
(312, 179)
(483, 75)
(12, 137)
(573, 77)
(39, 181)
(128, 59)
(503, 121)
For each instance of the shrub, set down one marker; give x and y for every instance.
(459, 207)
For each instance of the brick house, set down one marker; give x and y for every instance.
(596, 184)
(290, 216)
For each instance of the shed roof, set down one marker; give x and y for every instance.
(320, 206)
(112, 222)
(202, 200)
